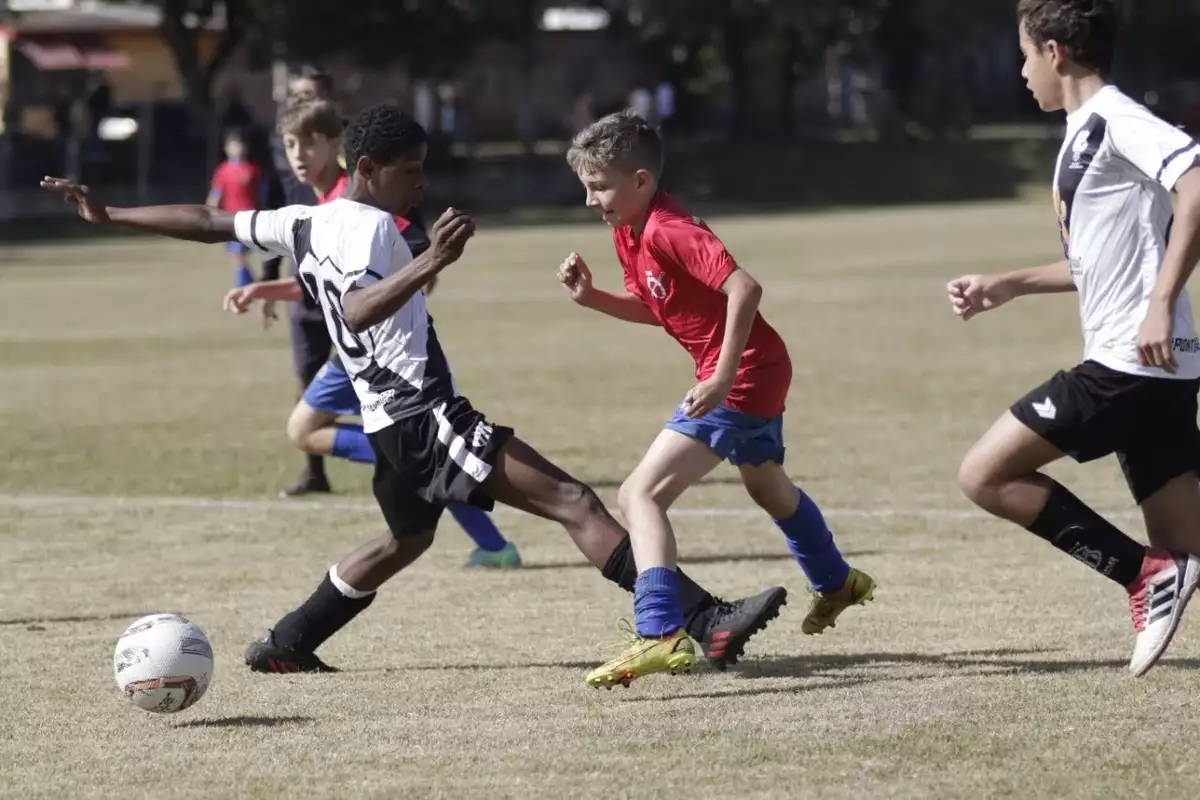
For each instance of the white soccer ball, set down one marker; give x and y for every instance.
(163, 663)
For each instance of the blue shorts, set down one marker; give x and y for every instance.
(237, 248)
(736, 437)
(332, 392)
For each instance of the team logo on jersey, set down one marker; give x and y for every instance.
(482, 435)
(658, 289)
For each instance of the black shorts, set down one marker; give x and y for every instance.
(1091, 411)
(424, 462)
(310, 346)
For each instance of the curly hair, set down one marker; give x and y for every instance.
(1086, 28)
(382, 133)
(622, 140)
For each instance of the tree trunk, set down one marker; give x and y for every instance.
(789, 78)
(197, 74)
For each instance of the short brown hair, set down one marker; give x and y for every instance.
(1087, 29)
(305, 118)
(622, 140)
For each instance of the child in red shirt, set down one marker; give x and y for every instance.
(237, 185)
(679, 276)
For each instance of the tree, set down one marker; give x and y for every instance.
(182, 26)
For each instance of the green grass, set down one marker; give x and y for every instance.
(989, 666)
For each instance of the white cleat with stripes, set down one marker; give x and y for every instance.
(1156, 601)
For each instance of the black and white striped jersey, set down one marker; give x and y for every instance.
(397, 366)
(1112, 194)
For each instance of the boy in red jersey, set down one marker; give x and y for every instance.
(679, 276)
(237, 185)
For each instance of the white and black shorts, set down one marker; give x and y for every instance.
(429, 460)
(1091, 411)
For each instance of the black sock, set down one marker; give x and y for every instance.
(321, 616)
(1068, 524)
(316, 466)
(694, 601)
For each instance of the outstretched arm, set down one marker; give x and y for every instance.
(193, 223)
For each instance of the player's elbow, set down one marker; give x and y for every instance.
(355, 313)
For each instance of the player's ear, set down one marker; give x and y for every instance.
(365, 166)
(642, 178)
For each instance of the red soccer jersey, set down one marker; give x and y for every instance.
(237, 185)
(676, 266)
(339, 187)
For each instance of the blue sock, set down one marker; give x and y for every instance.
(656, 611)
(479, 526)
(811, 543)
(243, 277)
(350, 443)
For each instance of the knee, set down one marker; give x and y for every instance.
(577, 502)
(300, 428)
(978, 483)
(634, 492)
(772, 491)
(403, 550)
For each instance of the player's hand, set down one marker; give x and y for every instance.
(1154, 338)
(974, 294)
(706, 396)
(240, 299)
(449, 235)
(574, 275)
(269, 314)
(88, 207)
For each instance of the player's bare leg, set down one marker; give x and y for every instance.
(673, 464)
(524, 479)
(834, 584)
(1172, 515)
(1000, 474)
(312, 431)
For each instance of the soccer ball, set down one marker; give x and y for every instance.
(163, 663)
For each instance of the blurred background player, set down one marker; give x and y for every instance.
(237, 185)
(310, 131)
(311, 344)
(679, 276)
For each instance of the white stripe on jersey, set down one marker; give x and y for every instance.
(1112, 194)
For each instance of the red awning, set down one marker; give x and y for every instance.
(61, 53)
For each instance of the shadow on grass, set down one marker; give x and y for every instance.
(244, 722)
(114, 615)
(713, 558)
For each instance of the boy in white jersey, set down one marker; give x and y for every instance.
(1134, 395)
(431, 446)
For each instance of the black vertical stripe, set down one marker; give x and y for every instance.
(254, 231)
(1076, 160)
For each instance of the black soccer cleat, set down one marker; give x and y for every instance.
(263, 655)
(307, 484)
(732, 625)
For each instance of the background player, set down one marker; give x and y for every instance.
(431, 446)
(678, 275)
(237, 185)
(311, 132)
(1129, 255)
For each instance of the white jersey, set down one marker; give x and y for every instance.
(397, 366)
(1112, 194)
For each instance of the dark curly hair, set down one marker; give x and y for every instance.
(1086, 28)
(382, 133)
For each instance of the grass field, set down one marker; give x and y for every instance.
(142, 433)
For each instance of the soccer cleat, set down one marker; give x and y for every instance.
(826, 608)
(263, 655)
(1157, 599)
(641, 657)
(506, 558)
(307, 484)
(732, 624)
